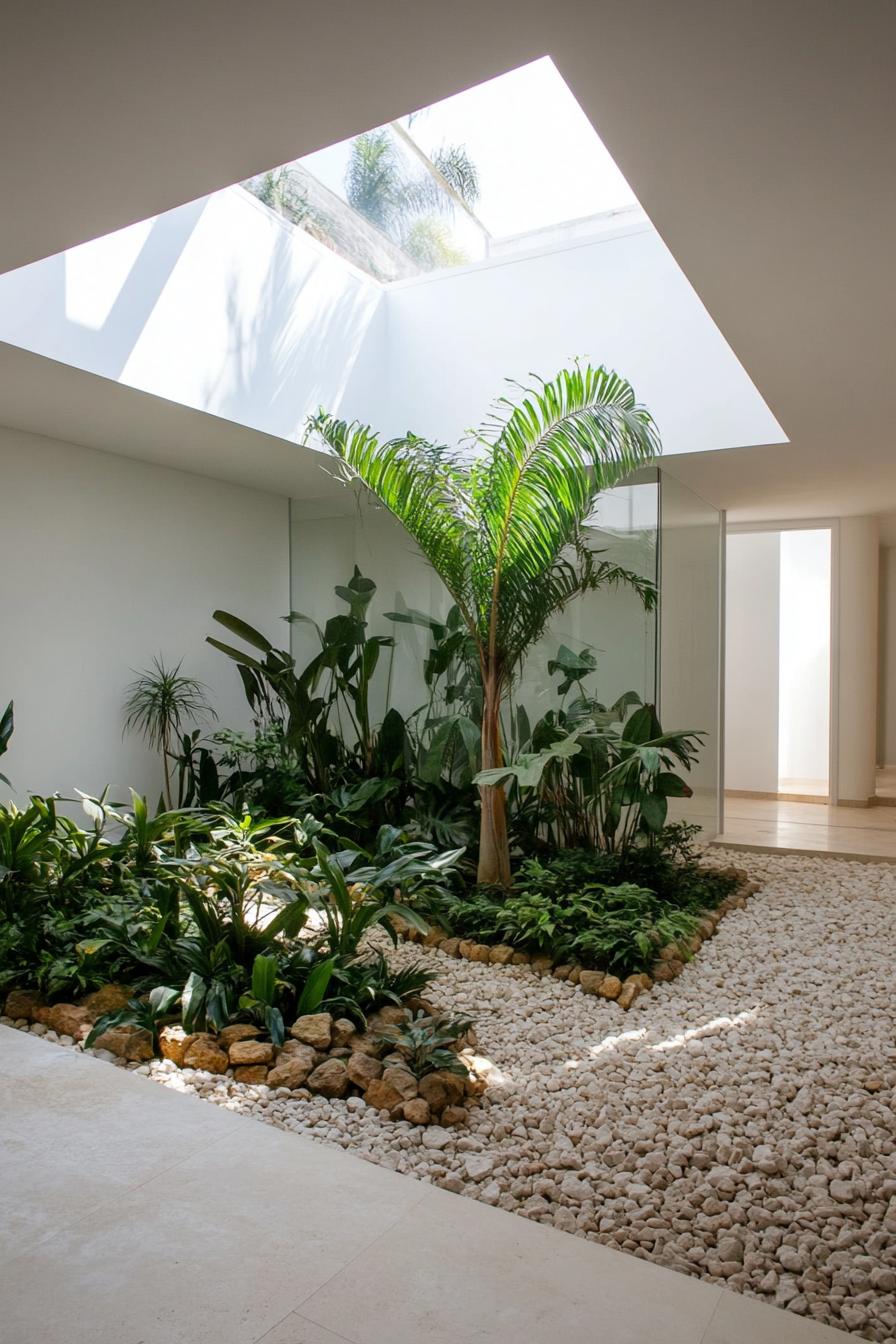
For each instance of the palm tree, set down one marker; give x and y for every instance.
(505, 529)
(158, 704)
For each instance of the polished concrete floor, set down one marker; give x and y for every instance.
(859, 832)
(130, 1214)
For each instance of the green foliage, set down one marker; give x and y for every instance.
(157, 705)
(609, 910)
(7, 724)
(506, 531)
(150, 1014)
(362, 985)
(426, 1043)
(349, 915)
(260, 1000)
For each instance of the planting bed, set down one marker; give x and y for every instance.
(736, 1124)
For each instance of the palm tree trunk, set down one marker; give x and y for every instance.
(494, 847)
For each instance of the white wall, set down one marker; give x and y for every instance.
(804, 709)
(857, 657)
(107, 562)
(222, 306)
(452, 340)
(219, 305)
(752, 661)
(886, 730)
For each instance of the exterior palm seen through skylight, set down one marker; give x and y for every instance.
(453, 183)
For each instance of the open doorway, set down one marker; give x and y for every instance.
(778, 664)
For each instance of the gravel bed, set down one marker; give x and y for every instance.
(736, 1124)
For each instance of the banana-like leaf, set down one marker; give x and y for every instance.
(243, 631)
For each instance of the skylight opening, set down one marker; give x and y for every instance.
(454, 183)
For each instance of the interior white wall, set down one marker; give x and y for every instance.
(857, 657)
(453, 339)
(108, 562)
(886, 719)
(752, 609)
(219, 305)
(805, 659)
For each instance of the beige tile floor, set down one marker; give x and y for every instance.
(134, 1215)
(858, 832)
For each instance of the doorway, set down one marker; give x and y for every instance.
(778, 664)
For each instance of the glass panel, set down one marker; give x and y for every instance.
(612, 623)
(690, 633)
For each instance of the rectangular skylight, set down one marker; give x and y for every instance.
(443, 186)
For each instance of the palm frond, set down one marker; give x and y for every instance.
(423, 485)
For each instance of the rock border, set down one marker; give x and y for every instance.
(670, 962)
(322, 1055)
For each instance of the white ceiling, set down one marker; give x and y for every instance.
(42, 396)
(758, 137)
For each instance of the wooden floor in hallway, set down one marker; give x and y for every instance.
(859, 832)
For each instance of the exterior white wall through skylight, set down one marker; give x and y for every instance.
(221, 306)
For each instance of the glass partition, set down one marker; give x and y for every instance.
(691, 574)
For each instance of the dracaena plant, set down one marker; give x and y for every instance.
(503, 524)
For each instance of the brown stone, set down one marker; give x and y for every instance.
(66, 1019)
(251, 1073)
(344, 1031)
(629, 992)
(313, 1029)
(204, 1053)
(641, 978)
(591, 981)
(501, 954)
(362, 1069)
(481, 952)
(441, 1089)
(291, 1070)
(402, 1080)
(130, 1043)
(172, 1044)
(694, 944)
(390, 1016)
(465, 948)
(541, 965)
(574, 976)
(561, 972)
(330, 1078)
(382, 1097)
(610, 987)
(107, 999)
(520, 959)
(450, 947)
(707, 927)
(248, 1052)
(663, 970)
(433, 937)
(25, 1003)
(366, 1043)
(453, 1115)
(669, 953)
(474, 1087)
(240, 1031)
(400, 925)
(416, 1111)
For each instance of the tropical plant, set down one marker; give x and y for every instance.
(349, 914)
(7, 723)
(149, 1014)
(506, 531)
(158, 704)
(260, 1001)
(409, 207)
(426, 1043)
